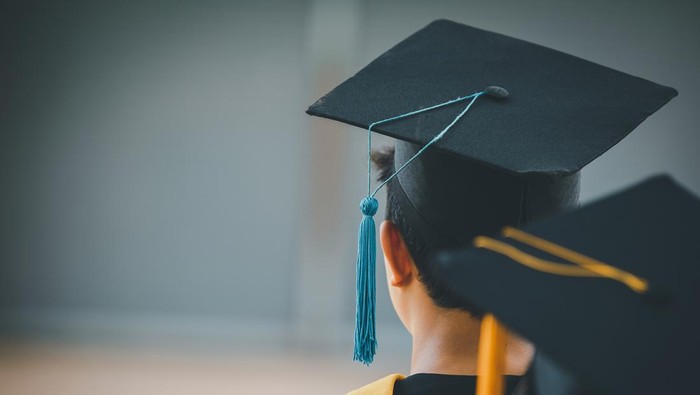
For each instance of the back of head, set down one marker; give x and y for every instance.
(441, 201)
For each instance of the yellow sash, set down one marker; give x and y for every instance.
(383, 386)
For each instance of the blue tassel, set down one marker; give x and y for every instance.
(365, 339)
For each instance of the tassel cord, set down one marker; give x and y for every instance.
(425, 147)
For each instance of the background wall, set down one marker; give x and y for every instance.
(152, 160)
(161, 185)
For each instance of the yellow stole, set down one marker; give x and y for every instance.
(383, 386)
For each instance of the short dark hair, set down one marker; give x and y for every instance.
(420, 250)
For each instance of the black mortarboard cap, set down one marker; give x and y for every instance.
(562, 111)
(541, 115)
(611, 338)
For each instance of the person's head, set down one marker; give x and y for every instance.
(442, 202)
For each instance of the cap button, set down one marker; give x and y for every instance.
(496, 92)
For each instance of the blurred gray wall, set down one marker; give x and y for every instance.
(158, 174)
(151, 159)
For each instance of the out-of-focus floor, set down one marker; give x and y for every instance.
(79, 369)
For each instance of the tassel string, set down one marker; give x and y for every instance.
(371, 193)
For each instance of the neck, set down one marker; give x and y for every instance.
(446, 342)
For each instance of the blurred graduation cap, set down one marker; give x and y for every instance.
(608, 293)
(494, 128)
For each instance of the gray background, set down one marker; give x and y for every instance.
(161, 183)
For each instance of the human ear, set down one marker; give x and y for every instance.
(398, 259)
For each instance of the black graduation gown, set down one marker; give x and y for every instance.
(429, 383)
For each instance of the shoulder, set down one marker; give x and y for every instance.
(379, 387)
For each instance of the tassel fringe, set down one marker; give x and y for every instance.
(365, 337)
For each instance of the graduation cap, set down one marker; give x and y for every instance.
(608, 292)
(494, 128)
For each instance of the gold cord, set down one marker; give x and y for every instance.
(586, 266)
(490, 364)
